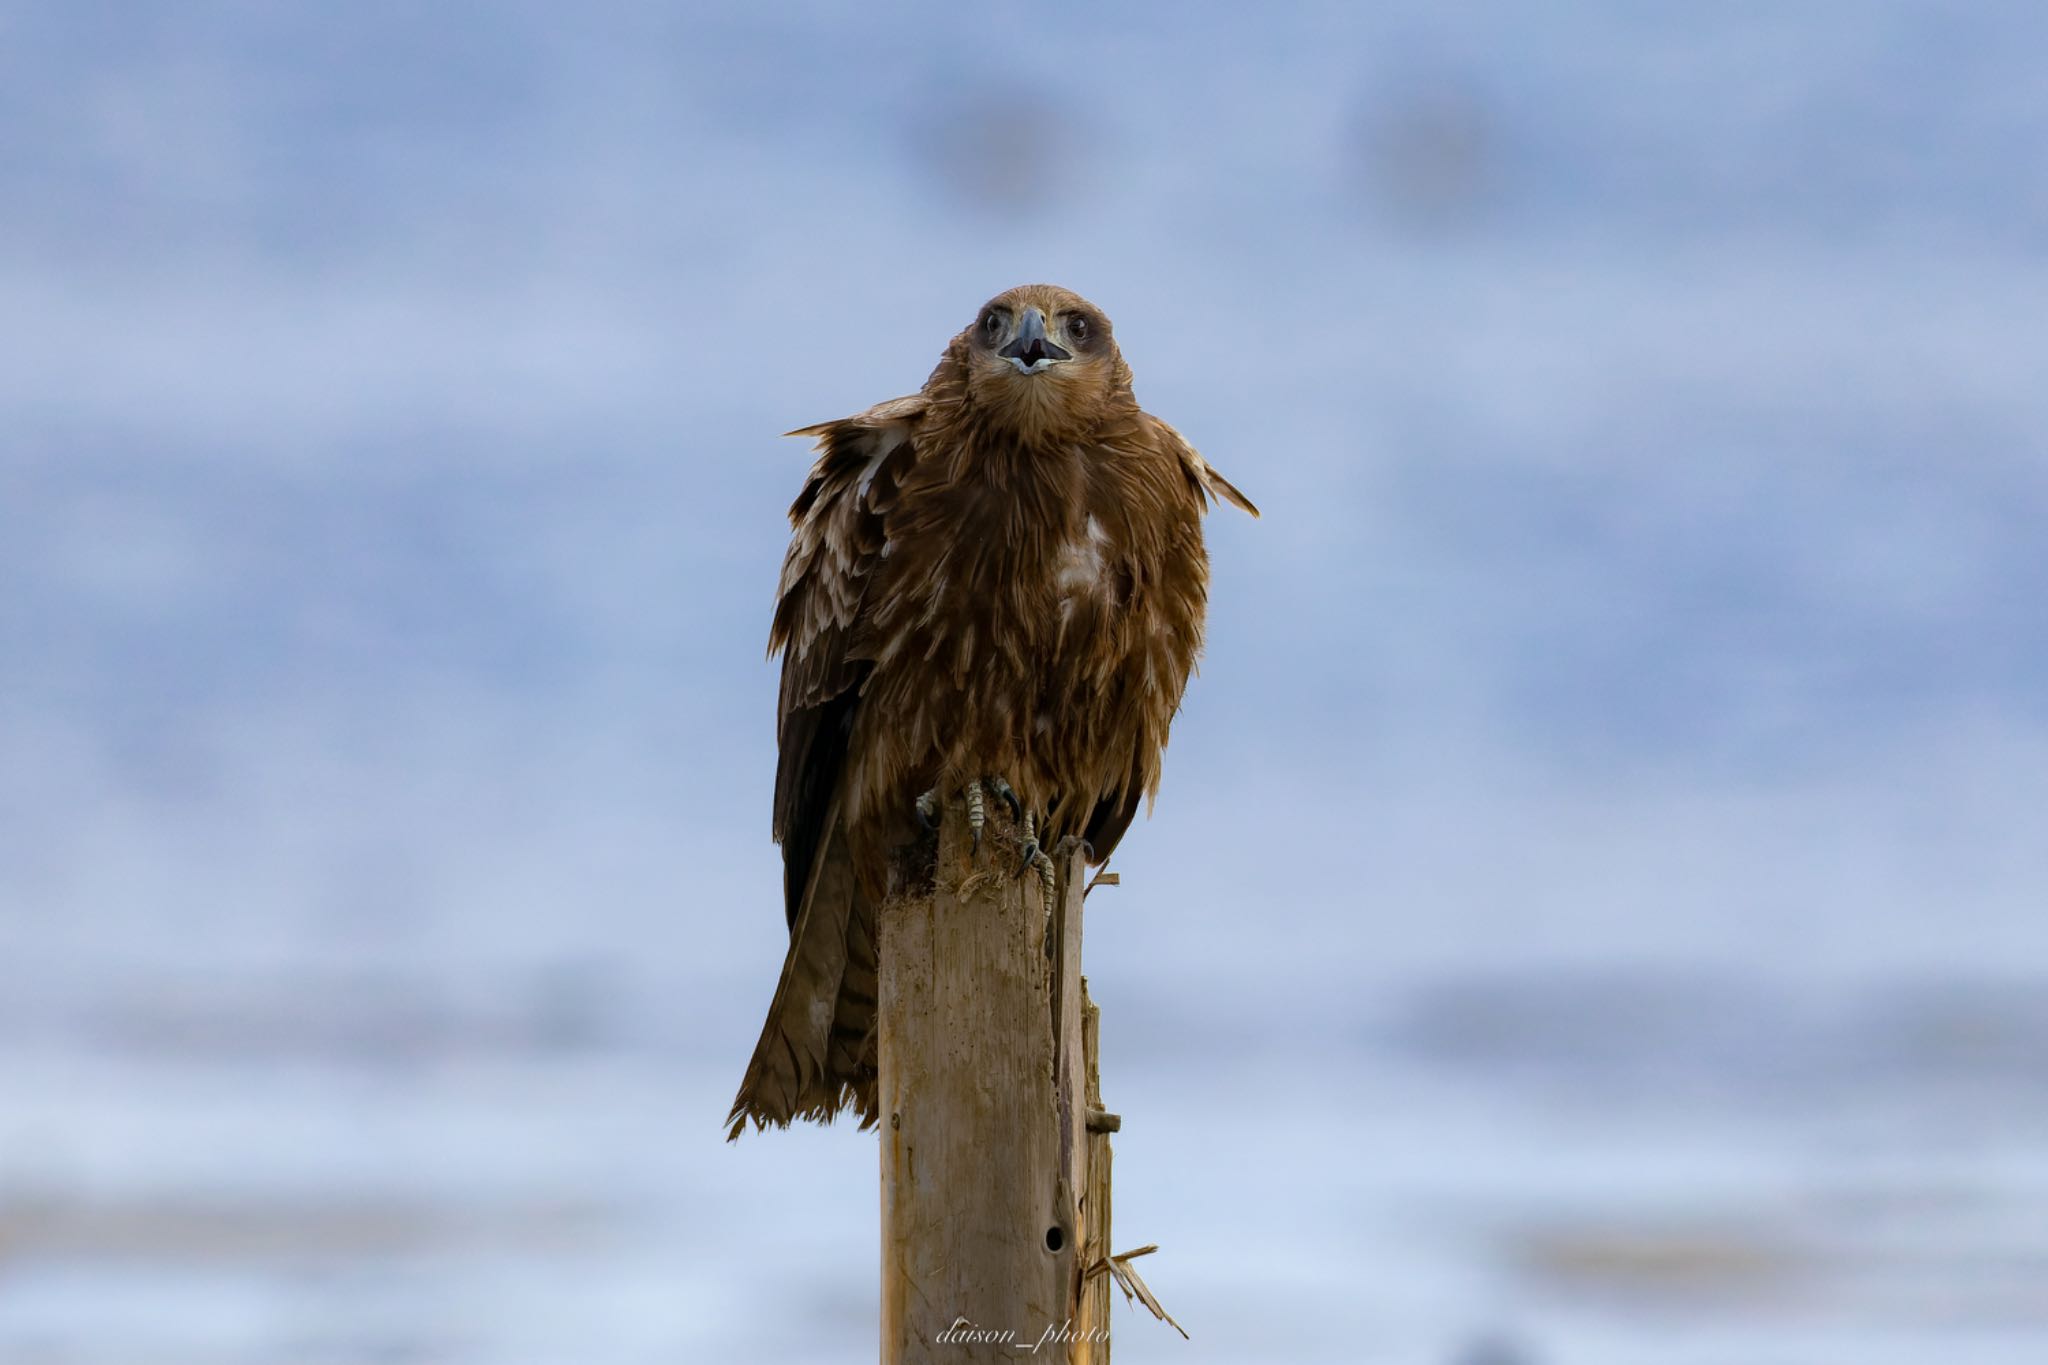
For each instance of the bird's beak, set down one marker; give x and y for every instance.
(1029, 351)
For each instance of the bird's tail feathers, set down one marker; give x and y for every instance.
(815, 1056)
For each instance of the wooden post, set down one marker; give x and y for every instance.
(1091, 1346)
(984, 1099)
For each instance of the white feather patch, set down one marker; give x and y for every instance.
(1080, 564)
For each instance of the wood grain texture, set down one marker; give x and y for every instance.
(975, 1151)
(1092, 1319)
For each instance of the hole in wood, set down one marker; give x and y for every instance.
(1055, 1238)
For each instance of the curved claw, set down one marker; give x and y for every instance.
(1032, 853)
(1007, 794)
(927, 807)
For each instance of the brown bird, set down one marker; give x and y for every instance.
(995, 585)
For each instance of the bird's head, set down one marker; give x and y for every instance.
(1043, 361)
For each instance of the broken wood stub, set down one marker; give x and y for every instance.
(1092, 1339)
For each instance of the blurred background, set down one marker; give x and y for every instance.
(1595, 911)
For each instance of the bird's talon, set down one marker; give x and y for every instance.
(1048, 883)
(1008, 796)
(927, 807)
(1031, 854)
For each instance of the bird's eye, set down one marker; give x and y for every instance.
(992, 325)
(1077, 327)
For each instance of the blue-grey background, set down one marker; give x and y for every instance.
(1595, 914)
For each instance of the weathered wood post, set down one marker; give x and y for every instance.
(1092, 1337)
(985, 1100)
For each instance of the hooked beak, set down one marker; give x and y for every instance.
(1029, 351)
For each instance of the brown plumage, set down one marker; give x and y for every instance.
(1000, 575)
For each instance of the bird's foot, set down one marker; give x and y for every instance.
(976, 792)
(977, 810)
(977, 814)
(1034, 857)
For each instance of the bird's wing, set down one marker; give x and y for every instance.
(809, 1061)
(833, 549)
(1210, 486)
(1109, 820)
(1112, 816)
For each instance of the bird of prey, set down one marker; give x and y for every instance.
(996, 585)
